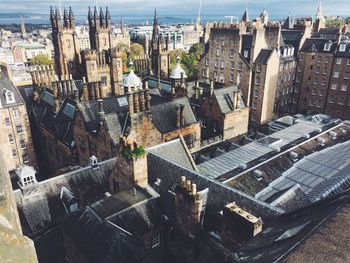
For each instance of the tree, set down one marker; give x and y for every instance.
(197, 51)
(41, 59)
(136, 50)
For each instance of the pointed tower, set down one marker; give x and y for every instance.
(66, 44)
(288, 23)
(320, 19)
(100, 30)
(23, 27)
(245, 17)
(264, 16)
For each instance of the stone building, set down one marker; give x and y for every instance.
(159, 52)
(16, 138)
(337, 101)
(14, 246)
(313, 75)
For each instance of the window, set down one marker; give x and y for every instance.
(257, 79)
(314, 91)
(245, 54)
(222, 77)
(348, 62)
(342, 47)
(344, 87)
(320, 92)
(331, 99)
(338, 61)
(25, 157)
(216, 63)
(240, 66)
(215, 74)
(104, 80)
(258, 68)
(9, 96)
(222, 64)
(231, 53)
(207, 61)
(254, 105)
(204, 73)
(156, 240)
(334, 86)
(16, 113)
(327, 47)
(7, 122)
(22, 144)
(336, 75)
(232, 65)
(341, 101)
(11, 139)
(19, 129)
(346, 75)
(218, 52)
(256, 93)
(14, 153)
(232, 78)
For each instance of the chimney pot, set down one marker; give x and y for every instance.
(183, 181)
(188, 186)
(194, 189)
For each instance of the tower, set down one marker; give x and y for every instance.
(159, 52)
(23, 27)
(245, 17)
(66, 44)
(320, 19)
(264, 16)
(100, 29)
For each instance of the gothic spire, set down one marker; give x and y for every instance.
(71, 18)
(108, 18)
(65, 18)
(102, 17)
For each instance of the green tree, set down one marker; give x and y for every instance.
(197, 51)
(41, 59)
(136, 50)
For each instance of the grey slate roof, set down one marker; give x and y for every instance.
(6, 84)
(263, 56)
(317, 45)
(41, 204)
(225, 98)
(175, 151)
(164, 115)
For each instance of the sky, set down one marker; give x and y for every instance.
(276, 8)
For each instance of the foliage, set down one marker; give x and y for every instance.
(189, 61)
(136, 153)
(136, 50)
(41, 59)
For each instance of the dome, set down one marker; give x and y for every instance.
(132, 81)
(177, 71)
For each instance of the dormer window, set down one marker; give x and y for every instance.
(10, 98)
(327, 46)
(342, 47)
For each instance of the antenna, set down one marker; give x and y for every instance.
(199, 12)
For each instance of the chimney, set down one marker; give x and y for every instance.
(142, 101)
(131, 103)
(178, 117)
(148, 99)
(238, 100)
(182, 115)
(76, 96)
(238, 226)
(136, 102)
(189, 209)
(211, 88)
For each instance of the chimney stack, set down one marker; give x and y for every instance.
(178, 117)
(182, 115)
(131, 103)
(136, 102)
(142, 101)
(100, 112)
(76, 96)
(211, 88)
(148, 99)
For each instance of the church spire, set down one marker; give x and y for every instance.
(65, 18)
(71, 18)
(23, 27)
(245, 17)
(108, 18)
(102, 17)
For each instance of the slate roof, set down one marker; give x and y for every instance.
(343, 54)
(175, 151)
(112, 228)
(164, 115)
(263, 56)
(115, 112)
(301, 230)
(6, 84)
(41, 204)
(292, 37)
(224, 97)
(329, 33)
(317, 45)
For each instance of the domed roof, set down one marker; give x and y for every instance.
(177, 71)
(131, 80)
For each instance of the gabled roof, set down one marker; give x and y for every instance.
(164, 115)
(263, 56)
(225, 99)
(318, 45)
(7, 86)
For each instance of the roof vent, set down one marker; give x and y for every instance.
(93, 162)
(321, 141)
(258, 175)
(319, 130)
(333, 135)
(294, 156)
(242, 166)
(26, 177)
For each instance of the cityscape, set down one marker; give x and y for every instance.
(176, 132)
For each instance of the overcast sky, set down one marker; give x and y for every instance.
(183, 7)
